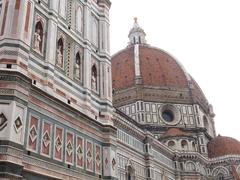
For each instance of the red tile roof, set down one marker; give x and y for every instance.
(157, 68)
(123, 71)
(160, 69)
(221, 146)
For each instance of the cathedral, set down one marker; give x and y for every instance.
(71, 111)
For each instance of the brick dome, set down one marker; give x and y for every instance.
(141, 72)
(221, 146)
(157, 69)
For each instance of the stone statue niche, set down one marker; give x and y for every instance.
(78, 66)
(60, 47)
(38, 37)
(94, 78)
(130, 172)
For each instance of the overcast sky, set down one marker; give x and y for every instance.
(204, 35)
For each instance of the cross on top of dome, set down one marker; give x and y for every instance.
(136, 34)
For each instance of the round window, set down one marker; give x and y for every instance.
(168, 115)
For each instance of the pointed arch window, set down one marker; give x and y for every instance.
(94, 78)
(205, 122)
(60, 48)
(38, 37)
(79, 19)
(95, 32)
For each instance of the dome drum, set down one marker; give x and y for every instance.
(153, 94)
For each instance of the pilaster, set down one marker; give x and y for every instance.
(87, 22)
(110, 165)
(149, 157)
(104, 34)
(54, 5)
(52, 38)
(13, 114)
(87, 49)
(87, 69)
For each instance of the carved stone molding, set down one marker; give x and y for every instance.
(3, 121)
(18, 124)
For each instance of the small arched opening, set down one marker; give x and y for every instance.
(205, 123)
(184, 145)
(171, 144)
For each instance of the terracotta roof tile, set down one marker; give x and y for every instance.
(123, 71)
(157, 68)
(221, 146)
(160, 69)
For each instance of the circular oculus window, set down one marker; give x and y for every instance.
(169, 114)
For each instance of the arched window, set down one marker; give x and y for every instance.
(95, 32)
(205, 122)
(79, 19)
(193, 146)
(94, 78)
(139, 40)
(184, 144)
(171, 144)
(38, 37)
(62, 8)
(130, 173)
(60, 47)
(190, 166)
(78, 65)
